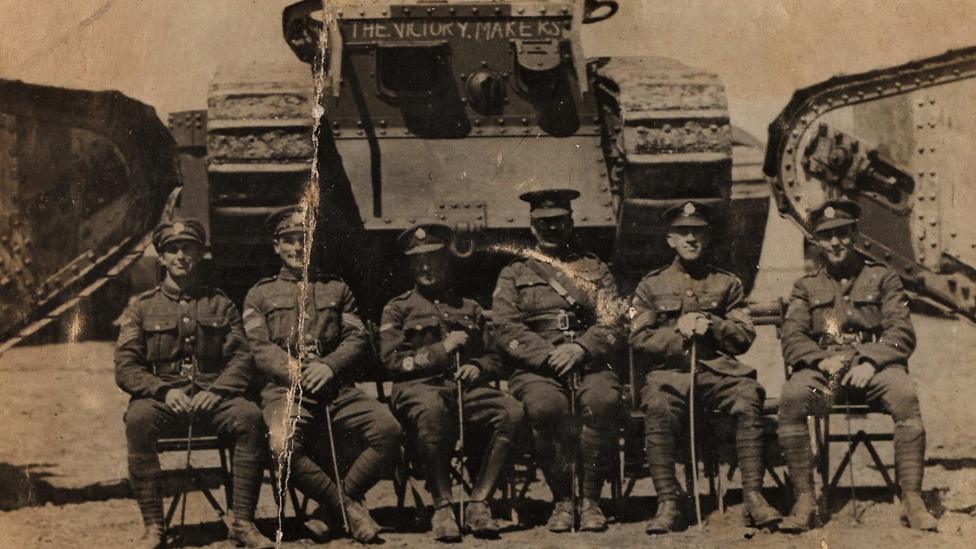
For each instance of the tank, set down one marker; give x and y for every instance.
(84, 176)
(898, 141)
(446, 112)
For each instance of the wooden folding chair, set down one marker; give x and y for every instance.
(197, 476)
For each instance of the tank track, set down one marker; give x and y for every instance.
(667, 138)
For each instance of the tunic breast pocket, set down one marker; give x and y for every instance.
(161, 338)
(868, 306)
(534, 295)
(213, 331)
(422, 331)
(667, 309)
(280, 318)
(822, 315)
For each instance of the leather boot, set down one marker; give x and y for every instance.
(756, 512)
(795, 440)
(668, 518)
(914, 513)
(591, 516)
(910, 466)
(561, 519)
(153, 537)
(245, 534)
(492, 467)
(478, 520)
(437, 470)
(362, 527)
(445, 526)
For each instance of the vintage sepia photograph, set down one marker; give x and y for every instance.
(499, 273)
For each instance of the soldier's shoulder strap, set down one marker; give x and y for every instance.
(723, 271)
(403, 296)
(265, 280)
(149, 293)
(538, 269)
(656, 271)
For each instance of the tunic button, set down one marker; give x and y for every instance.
(689, 293)
(850, 312)
(847, 298)
(186, 319)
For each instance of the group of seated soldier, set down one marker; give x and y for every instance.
(185, 355)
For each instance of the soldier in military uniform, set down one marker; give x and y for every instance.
(183, 357)
(556, 316)
(690, 302)
(430, 337)
(848, 333)
(309, 342)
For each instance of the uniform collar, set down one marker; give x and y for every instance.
(287, 274)
(695, 270)
(173, 291)
(447, 296)
(848, 271)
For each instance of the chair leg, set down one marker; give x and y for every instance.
(227, 466)
(892, 487)
(822, 436)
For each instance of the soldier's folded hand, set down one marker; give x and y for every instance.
(204, 401)
(468, 373)
(687, 323)
(316, 376)
(832, 365)
(455, 340)
(859, 376)
(702, 324)
(565, 357)
(177, 401)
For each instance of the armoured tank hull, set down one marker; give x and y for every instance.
(898, 141)
(83, 177)
(446, 114)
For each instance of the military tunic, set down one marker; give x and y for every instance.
(334, 334)
(536, 307)
(163, 333)
(412, 332)
(862, 315)
(663, 356)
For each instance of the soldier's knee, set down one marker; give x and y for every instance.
(141, 420)
(546, 411)
(509, 417)
(602, 408)
(434, 424)
(386, 430)
(278, 439)
(794, 401)
(902, 403)
(749, 397)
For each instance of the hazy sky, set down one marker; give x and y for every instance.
(164, 52)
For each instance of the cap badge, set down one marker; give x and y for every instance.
(689, 208)
(178, 227)
(420, 234)
(830, 212)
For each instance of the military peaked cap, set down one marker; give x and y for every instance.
(425, 238)
(290, 219)
(688, 214)
(178, 229)
(550, 202)
(834, 213)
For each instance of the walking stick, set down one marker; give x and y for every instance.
(460, 401)
(573, 405)
(191, 365)
(850, 453)
(335, 468)
(691, 429)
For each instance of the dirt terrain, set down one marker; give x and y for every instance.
(62, 465)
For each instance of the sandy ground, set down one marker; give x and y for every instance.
(62, 465)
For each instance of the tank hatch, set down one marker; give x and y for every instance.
(899, 142)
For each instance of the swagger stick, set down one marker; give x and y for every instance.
(573, 495)
(691, 430)
(191, 366)
(850, 454)
(460, 401)
(335, 468)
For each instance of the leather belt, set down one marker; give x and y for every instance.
(564, 321)
(847, 338)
